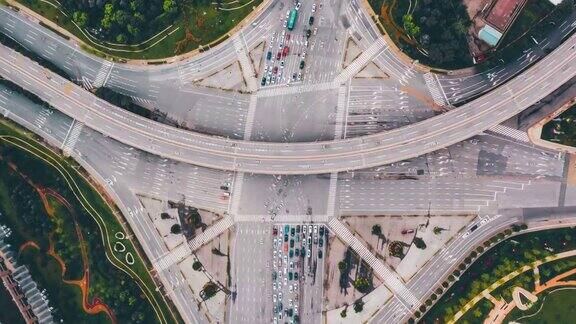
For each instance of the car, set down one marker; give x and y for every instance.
(290, 302)
(308, 33)
(308, 253)
(296, 308)
(263, 82)
(311, 20)
(274, 286)
(302, 64)
(291, 264)
(297, 252)
(274, 253)
(292, 231)
(290, 289)
(297, 6)
(297, 228)
(278, 55)
(315, 229)
(321, 230)
(313, 8)
(274, 298)
(269, 55)
(310, 229)
(285, 23)
(291, 243)
(286, 237)
(408, 231)
(299, 76)
(287, 37)
(295, 275)
(309, 240)
(285, 51)
(285, 281)
(321, 242)
(319, 254)
(290, 275)
(282, 63)
(315, 30)
(306, 43)
(280, 297)
(316, 239)
(291, 254)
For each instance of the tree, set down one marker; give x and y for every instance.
(343, 313)
(358, 306)
(409, 26)
(419, 243)
(342, 265)
(165, 216)
(376, 230)
(169, 6)
(209, 290)
(362, 285)
(437, 230)
(80, 18)
(197, 265)
(176, 229)
(120, 38)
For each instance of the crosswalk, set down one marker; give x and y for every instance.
(250, 118)
(143, 102)
(341, 112)
(511, 133)
(435, 89)
(245, 63)
(211, 233)
(103, 74)
(359, 63)
(184, 250)
(331, 209)
(281, 90)
(72, 137)
(177, 254)
(391, 279)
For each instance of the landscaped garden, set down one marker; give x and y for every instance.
(562, 129)
(504, 258)
(72, 242)
(139, 29)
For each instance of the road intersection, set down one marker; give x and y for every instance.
(374, 148)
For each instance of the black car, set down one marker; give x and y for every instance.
(311, 21)
(263, 82)
(308, 33)
(301, 64)
(319, 254)
(269, 56)
(321, 230)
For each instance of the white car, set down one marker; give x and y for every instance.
(290, 302)
(309, 226)
(290, 288)
(297, 6)
(315, 229)
(280, 296)
(274, 298)
(313, 8)
(274, 286)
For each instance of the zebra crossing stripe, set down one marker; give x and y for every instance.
(435, 90)
(511, 133)
(361, 61)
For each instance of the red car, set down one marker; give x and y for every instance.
(285, 51)
(278, 55)
(275, 70)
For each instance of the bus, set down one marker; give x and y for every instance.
(292, 19)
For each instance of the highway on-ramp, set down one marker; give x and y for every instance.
(294, 158)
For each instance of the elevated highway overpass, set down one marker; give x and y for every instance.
(294, 158)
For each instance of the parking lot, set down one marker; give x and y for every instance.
(298, 264)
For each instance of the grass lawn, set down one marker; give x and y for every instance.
(558, 306)
(126, 288)
(198, 25)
